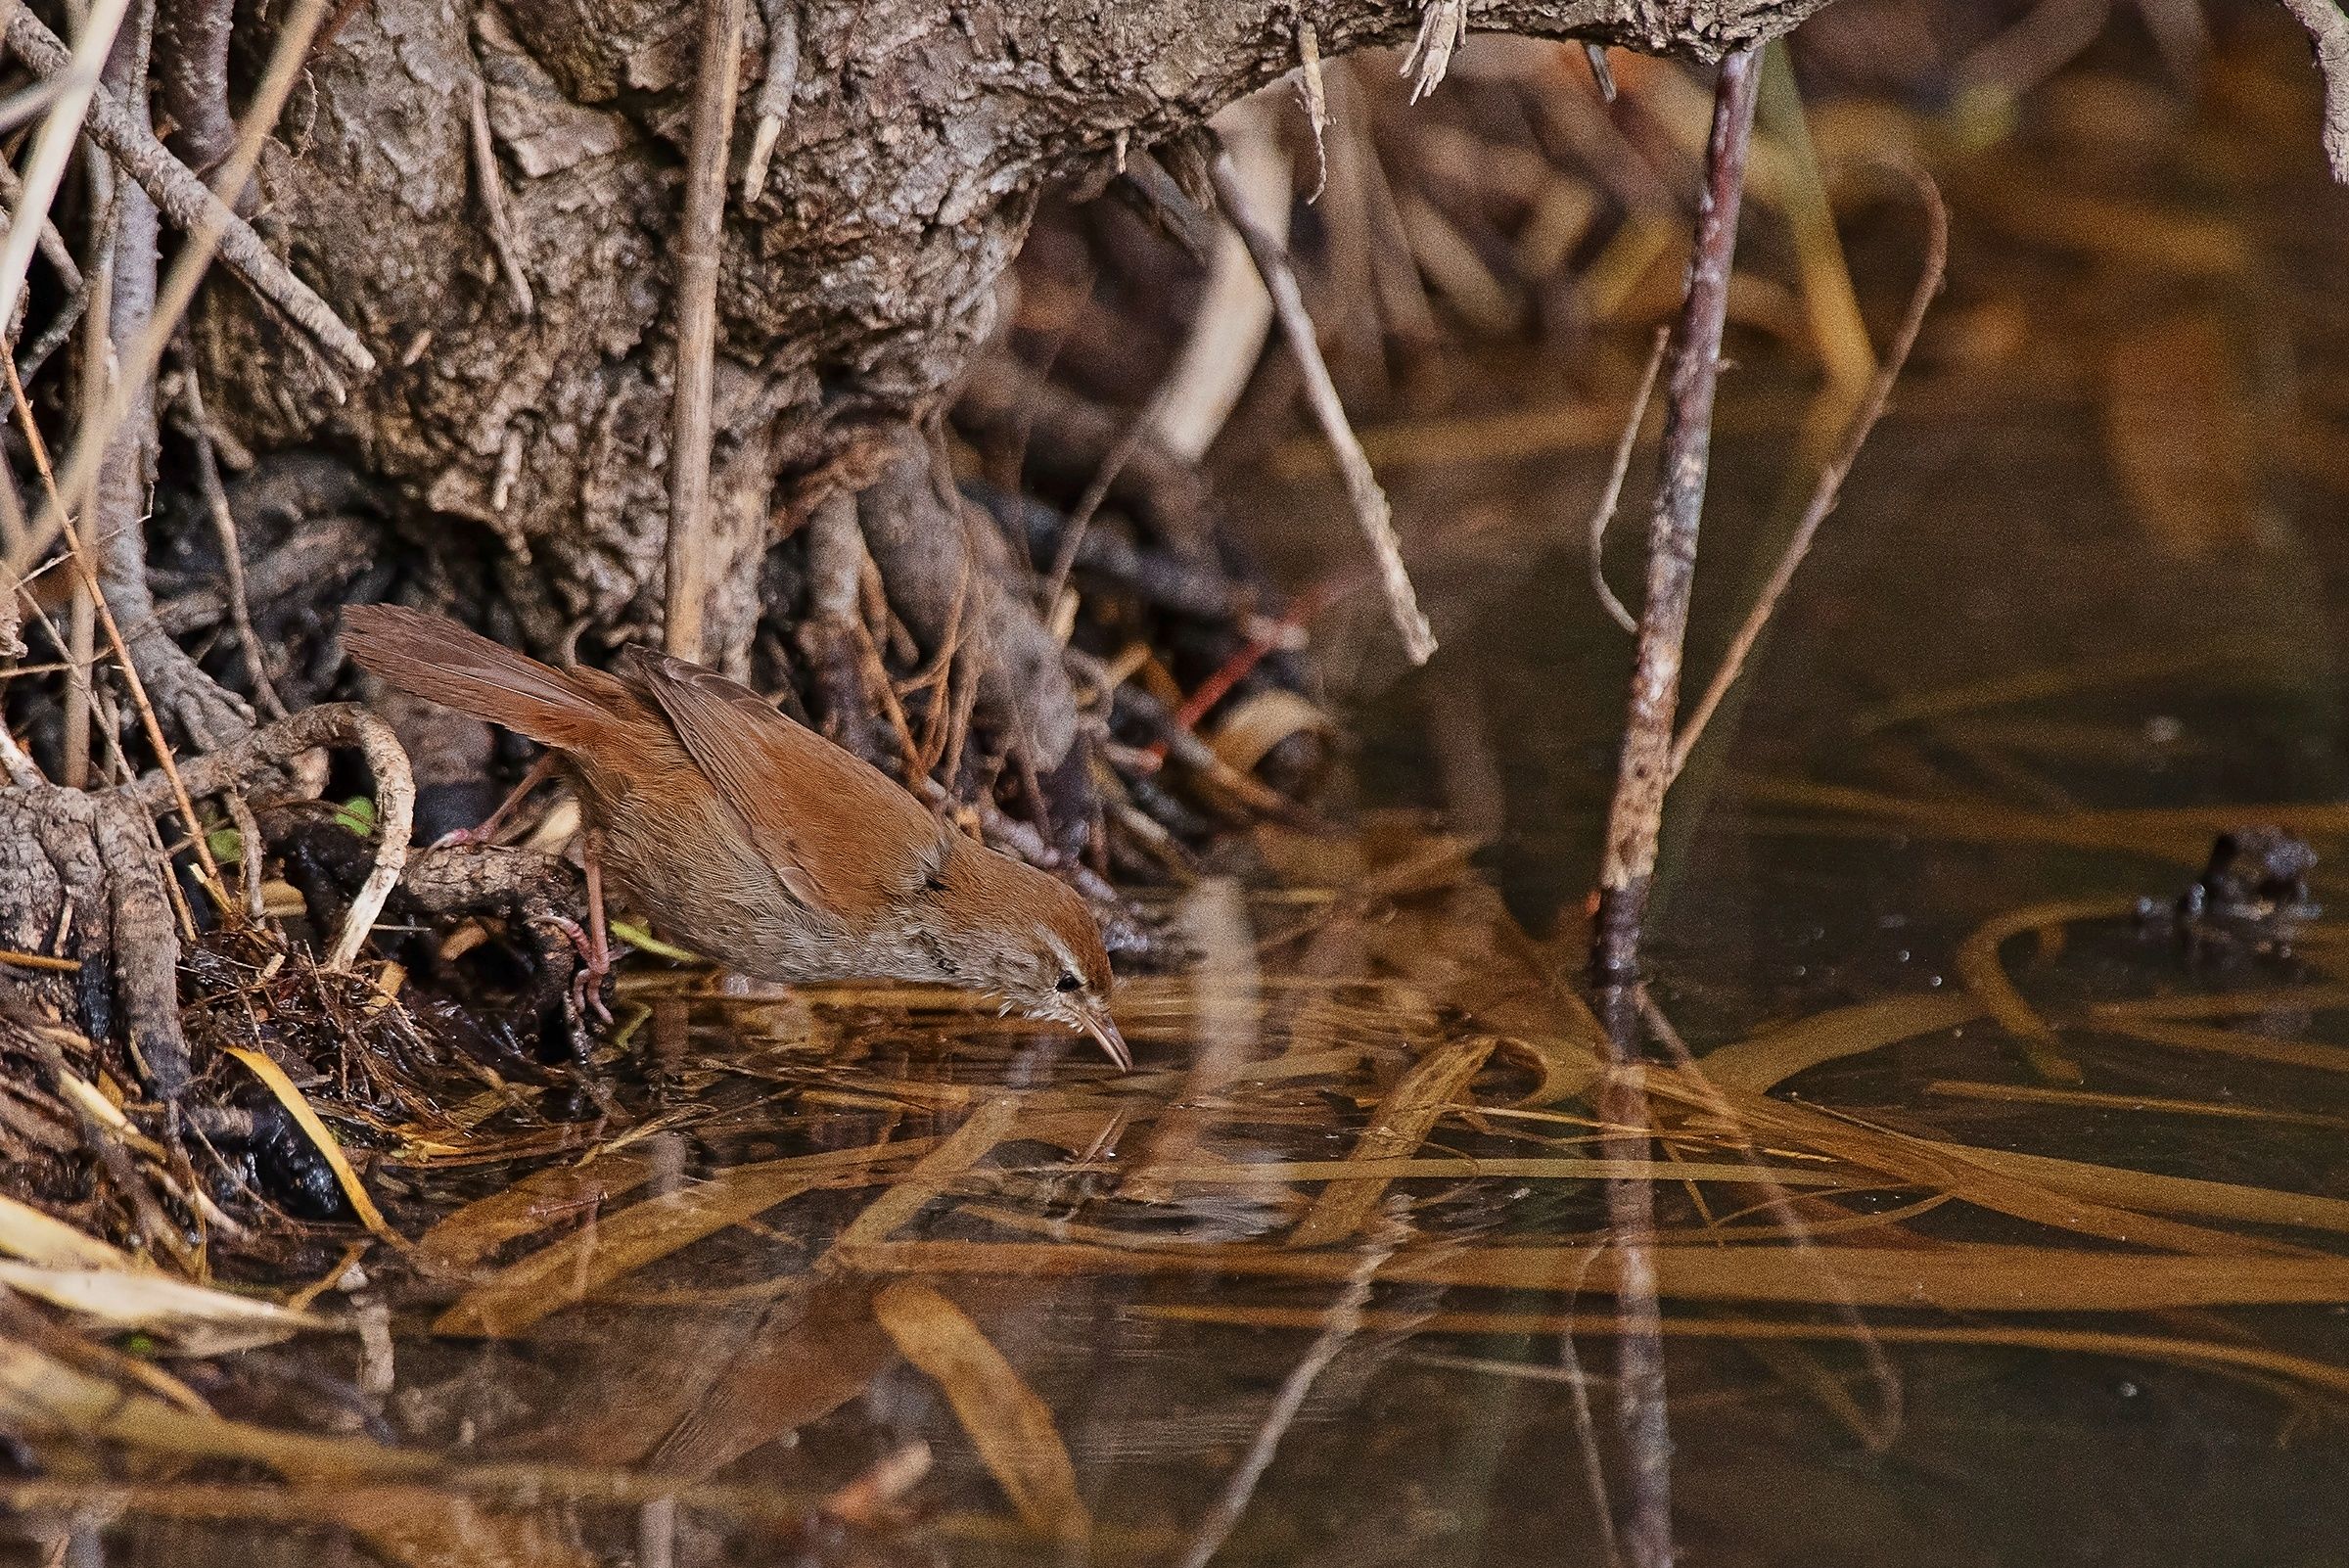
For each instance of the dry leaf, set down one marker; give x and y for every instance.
(1007, 1423)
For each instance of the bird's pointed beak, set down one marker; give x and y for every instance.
(1095, 1021)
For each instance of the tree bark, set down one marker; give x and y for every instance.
(853, 286)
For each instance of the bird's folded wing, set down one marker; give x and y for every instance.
(842, 836)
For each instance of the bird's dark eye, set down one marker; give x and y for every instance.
(1068, 982)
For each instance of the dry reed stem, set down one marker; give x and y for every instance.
(1226, 335)
(1371, 507)
(96, 594)
(76, 73)
(1830, 489)
(201, 212)
(690, 418)
(209, 226)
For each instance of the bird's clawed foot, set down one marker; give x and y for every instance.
(587, 981)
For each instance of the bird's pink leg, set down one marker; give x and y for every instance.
(589, 983)
(488, 832)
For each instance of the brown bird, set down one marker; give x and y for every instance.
(754, 841)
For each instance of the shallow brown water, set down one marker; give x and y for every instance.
(2108, 1283)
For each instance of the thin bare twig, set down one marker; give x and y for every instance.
(1361, 485)
(1636, 813)
(201, 214)
(1344, 1321)
(1829, 489)
(78, 72)
(209, 229)
(1096, 490)
(96, 594)
(232, 554)
(493, 198)
(54, 249)
(1604, 512)
(52, 339)
(331, 724)
(722, 24)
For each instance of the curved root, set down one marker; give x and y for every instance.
(83, 872)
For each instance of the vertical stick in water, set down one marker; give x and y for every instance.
(1642, 774)
(1645, 764)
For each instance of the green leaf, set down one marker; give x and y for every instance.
(358, 814)
(642, 938)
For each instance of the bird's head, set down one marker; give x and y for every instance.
(1004, 927)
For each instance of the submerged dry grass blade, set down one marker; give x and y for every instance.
(573, 1269)
(2122, 1187)
(1762, 1062)
(1408, 1168)
(537, 1201)
(42, 1397)
(2218, 1041)
(1974, 1277)
(1952, 1088)
(940, 1167)
(1404, 1118)
(2216, 1355)
(1987, 822)
(1953, 1169)
(2228, 1004)
(1007, 1423)
(1977, 964)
